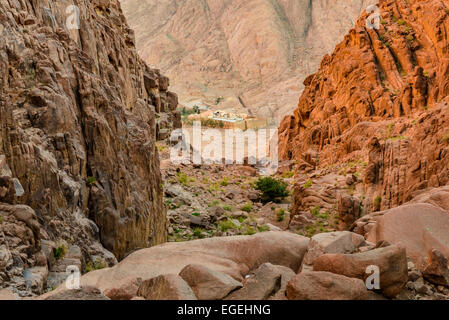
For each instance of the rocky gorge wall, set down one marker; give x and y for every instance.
(380, 99)
(80, 114)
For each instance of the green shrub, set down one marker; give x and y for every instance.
(97, 265)
(227, 207)
(224, 182)
(198, 232)
(280, 215)
(377, 202)
(272, 189)
(214, 203)
(91, 181)
(263, 228)
(247, 207)
(226, 225)
(183, 179)
(315, 211)
(249, 231)
(60, 252)
(308, 184)
(446, 138)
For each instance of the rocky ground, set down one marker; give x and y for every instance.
(220, 201)
(216, 200)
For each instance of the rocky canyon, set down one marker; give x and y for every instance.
(93, 207)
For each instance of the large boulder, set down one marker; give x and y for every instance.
(268, 281)
(166, 287)
(319, 285)
(6, 294)
(333, 242)
(235, 256)
(439, 197)
(84, 293)
(208, 284)
(391, 261)
(437, 270)
(418, 227)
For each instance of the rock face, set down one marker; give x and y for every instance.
(381, 99)
(219, 51)
(79, 117)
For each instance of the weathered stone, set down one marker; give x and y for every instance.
(85, 293)
(437, 270)
(6, 294)
(420, 228)
(166, 287)
(318, 285)
(333, 242)
(391, 262)
(234, 256)
(262, 283)
(125, 290)
(208, 284)
(79, 143)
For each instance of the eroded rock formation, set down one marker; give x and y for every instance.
(380, 99)
(79, 117)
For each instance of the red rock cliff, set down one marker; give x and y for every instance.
(381, 98)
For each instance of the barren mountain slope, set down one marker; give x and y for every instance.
(259, 50)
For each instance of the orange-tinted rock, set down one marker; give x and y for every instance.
(381, 97)
(166, 287)
(418, 227)
(84, 293)
(437, 270)
(6, 294)
(208, 284)
(235, 256)
(391, 261)
(78, 124)
(318, 285)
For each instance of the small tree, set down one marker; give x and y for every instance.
(272, 189)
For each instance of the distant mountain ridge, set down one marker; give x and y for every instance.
(258, 50)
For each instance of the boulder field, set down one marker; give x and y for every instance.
(281, 265)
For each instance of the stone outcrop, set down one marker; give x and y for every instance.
(208, 284)
(380, 99)
(80, 113)
(319, 285)
(391, 262)
(420, 228)
(234, 256)
(166, 287)
(437, 270)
